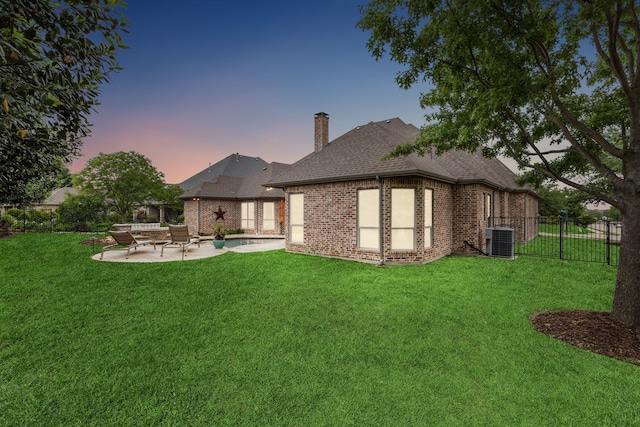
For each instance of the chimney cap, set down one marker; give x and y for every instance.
(321, 114)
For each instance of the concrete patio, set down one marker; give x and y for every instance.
(174, 253)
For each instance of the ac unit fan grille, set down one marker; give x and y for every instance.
(500, 242)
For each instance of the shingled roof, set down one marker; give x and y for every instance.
(250, 187)
(357, 155)
(235, 166)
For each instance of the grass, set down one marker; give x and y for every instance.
(281, 339)
(573, 248)
(566, 229)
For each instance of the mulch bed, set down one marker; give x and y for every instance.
(593, 331)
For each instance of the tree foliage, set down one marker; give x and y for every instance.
(54, 55)
(552, 84)
(168, 197)
(123, 180)
(81, 208)
(553, 200)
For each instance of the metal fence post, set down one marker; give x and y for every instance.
(608, 240)
(561, 221)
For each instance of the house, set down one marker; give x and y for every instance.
(343, 201)
(232, 193)
(55, 199)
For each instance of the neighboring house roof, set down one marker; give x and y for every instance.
(58, 195)
(250, 187)
(235, 165)
(357, 155)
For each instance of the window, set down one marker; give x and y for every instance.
(487, 205)
(402, 219)
(268, 216)
(247, 220)
(296, 218)
(369, 219)
(428, 218)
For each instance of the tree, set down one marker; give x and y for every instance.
(123, 180)
(553, 200)
(553, 84)
(168, 198)
(39, 188)
(54, 55)
(81, 208)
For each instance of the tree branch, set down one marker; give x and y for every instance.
(584, 129)
(594, 161)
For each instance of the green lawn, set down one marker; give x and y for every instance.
(566, 229)
(573, 248)
(281, 339)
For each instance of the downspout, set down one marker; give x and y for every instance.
(381, 217)
(256, 219)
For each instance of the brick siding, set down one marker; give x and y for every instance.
(199, 215)
(331, 218)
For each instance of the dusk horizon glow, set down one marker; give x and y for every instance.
(203, 81)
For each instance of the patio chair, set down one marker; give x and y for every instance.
(125, 238)
(180, 236)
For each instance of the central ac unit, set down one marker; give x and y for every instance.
(500, 242)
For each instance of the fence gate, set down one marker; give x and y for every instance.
(559, 237)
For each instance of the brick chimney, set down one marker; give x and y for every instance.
(321, 131)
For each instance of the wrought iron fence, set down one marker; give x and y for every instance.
(44, 221)
(564, 238)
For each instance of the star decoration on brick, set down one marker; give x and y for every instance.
(220, 213)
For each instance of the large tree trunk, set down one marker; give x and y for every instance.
(626, 299)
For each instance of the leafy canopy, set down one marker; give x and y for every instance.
(54, 55)
(552, 84)
(123, 180)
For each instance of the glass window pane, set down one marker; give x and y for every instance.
(268, 216)
(428, 237)
(297, 233)
(296, 209)
(368, 208)
(402, 239)
(369, 238)
(428, 208)
(402, 207)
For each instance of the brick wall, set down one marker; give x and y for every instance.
(200, 215)
(469, 216)
(330, 218)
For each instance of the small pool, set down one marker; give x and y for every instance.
(232, 243)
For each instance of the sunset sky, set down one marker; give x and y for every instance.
(204, 79)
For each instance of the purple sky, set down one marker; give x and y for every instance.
(204, 79)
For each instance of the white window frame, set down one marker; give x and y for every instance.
(403, 219)
(369, 219)
(248, 215)
(268, 216)
(296, 218)
(428, 218)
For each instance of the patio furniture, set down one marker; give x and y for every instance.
(125, 238)
(180, 236)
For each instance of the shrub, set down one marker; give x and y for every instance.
(553, 220)
(585, 220)
(80, 227)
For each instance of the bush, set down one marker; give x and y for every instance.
(9, 219)
(585, 220)
(80, 227)
(553, 220)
